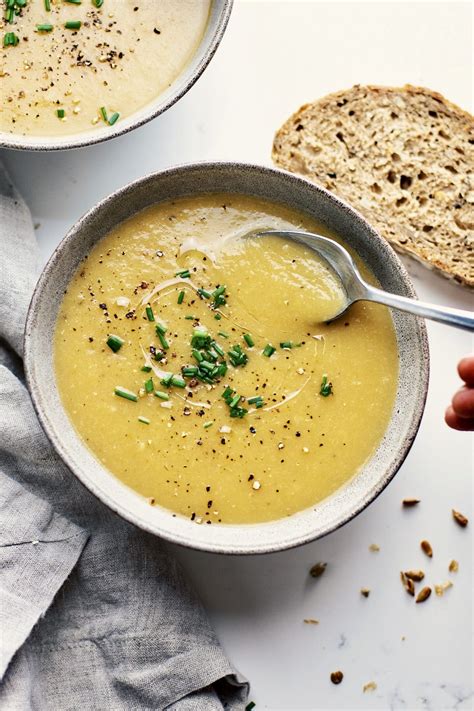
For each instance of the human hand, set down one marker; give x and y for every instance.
(460, 414)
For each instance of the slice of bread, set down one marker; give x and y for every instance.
(403, 157)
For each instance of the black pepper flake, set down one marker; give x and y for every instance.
(209, 504)
(156, 31)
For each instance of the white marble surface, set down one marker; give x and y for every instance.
(276, 56)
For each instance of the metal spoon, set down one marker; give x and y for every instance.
(356, 289)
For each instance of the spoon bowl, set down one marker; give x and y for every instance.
(356, 289)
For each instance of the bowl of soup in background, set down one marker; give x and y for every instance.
(224, 199)
(82, 73)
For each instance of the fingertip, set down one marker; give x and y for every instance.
(462, 424)
(466, 369)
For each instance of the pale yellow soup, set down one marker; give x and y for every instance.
(188, 453)
(123, 56)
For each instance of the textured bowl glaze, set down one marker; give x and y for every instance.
(216, 25)
(300, 195)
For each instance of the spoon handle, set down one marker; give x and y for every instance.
(443, 314)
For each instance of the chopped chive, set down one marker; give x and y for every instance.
(98, 3)
(326, 387)
(104, 113)
(73, 25)
(9, 14)
(183, 273)
(74, 2)
(60, 113)
(286, 344)
(44, 28)
(149, 385)
(162, 395)
(159, 328)
(238, 412)
(47, 5)
(205, 294)
(114, 118)
(206, 425)
(237, 356)
(180, 297)
(198, 356)
(234, 401)
(10, 39)
(163, 341)
(205, 365)
(269, 350)
(145, 420)
(146, 369)
(166, 381)
(159, 355)
(191, 318)
(227, 393)
(219, 291)
(255, 400)
(249, 340)
(178, 382)
(223, 334)
(115, 343)
(189, 371)
(218, 349)
(217, 317)
(127, 394)
(149, 313)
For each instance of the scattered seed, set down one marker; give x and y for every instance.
(460, 519)
(256, 485)
(453, 566)
(337, 677)
(370, 686)
(440, 589)
(311, 621)
(423, 594)
(408, 584)
(317, 570)
(410, 502)
(426, 548)
(374, 548)
(365, 592)
(416, 575)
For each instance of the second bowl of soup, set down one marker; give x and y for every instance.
(76, 73)
(183, 368)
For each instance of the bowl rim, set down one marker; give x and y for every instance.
(183, 538)
(179, 87)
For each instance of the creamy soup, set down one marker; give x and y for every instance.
(71, 65)
(193, 360)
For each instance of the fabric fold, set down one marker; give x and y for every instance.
(38, 550)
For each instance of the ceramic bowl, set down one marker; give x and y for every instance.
(298, 194)
(217, 23)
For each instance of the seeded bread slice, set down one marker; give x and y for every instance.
(403, 157)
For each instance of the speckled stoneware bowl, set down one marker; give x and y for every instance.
(216, 25)
(293, 192)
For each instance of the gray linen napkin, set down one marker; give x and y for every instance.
(94, 613)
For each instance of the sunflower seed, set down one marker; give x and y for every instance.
(416, 575)
(460, 519)
(317, 570)
(423, 594)
(426, 548)
(408, 584)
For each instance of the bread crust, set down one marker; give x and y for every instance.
(404, 157)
